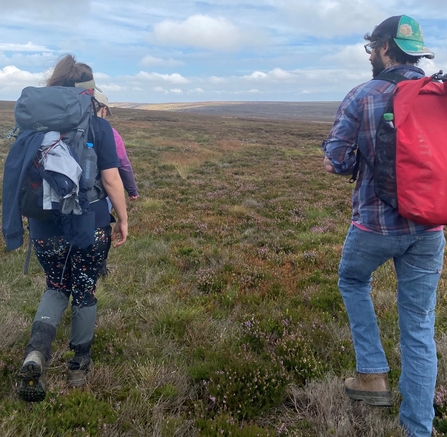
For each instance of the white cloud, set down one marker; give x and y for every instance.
(13, 78)
(111, 88)
(348, 56)
(149, 60)
(203, 31)
(101, 77)
(162, 90)
(28, 47)
(277, 74)
(196, 90)
(431, 66)
(329, 18)
(159, 89)
(218, 49)
(256, 75)
(218, 80)
(174, 78)
(44, 9)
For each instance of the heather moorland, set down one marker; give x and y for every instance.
(221, 315)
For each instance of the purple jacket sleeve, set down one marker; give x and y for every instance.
(125, 170)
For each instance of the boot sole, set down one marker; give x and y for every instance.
(376, 399)
(31, 388)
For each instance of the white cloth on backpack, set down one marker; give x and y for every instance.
(57, 157)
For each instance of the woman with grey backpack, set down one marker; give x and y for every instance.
(71, 269)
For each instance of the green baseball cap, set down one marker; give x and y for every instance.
(407, 34)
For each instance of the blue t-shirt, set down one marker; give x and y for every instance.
(104, 145)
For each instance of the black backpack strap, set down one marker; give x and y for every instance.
(391, 77)
(355, 170)
(28, 257)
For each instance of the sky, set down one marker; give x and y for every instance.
(168, 51)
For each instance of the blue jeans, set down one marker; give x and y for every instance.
(418, 262)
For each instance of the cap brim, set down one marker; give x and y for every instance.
(88, 84)
(414, 48)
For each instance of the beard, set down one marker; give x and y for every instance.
(377, 66)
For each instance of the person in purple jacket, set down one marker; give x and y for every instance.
(125, 169)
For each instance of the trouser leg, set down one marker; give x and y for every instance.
(85, 266)
(82, 330)
(47, 319)
(418, 273)
(362, 255)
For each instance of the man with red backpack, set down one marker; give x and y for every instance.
(379, 233)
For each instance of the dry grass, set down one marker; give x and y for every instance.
(230, 269)
(331, 413)
(10, 327)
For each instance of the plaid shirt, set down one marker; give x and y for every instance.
(355, 126)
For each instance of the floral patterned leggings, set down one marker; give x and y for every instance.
(73, 270)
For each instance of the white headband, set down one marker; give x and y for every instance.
(88, 84)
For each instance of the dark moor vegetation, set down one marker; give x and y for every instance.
(222, 315)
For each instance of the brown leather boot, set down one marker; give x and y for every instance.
(372, 388)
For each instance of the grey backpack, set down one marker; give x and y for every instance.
(63, 113)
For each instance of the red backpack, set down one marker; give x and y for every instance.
(410, 161)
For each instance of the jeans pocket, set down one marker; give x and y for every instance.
(427, 252)
(363, 252)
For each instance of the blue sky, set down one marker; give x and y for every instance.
(159, 51)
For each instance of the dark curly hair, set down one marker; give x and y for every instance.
(394, 51)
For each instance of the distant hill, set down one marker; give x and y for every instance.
(312, 111)
(301, 111)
